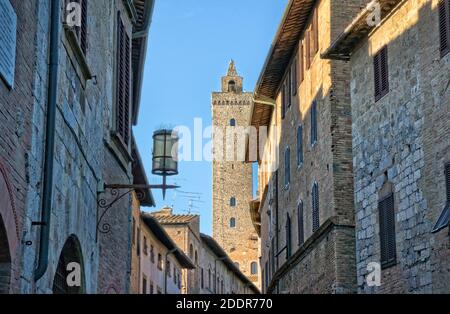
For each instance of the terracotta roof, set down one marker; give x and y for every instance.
(343, 46)
(168, 218)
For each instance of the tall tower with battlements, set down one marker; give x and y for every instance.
(232, 177)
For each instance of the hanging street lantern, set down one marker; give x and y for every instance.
(165, 153)
(164, 163)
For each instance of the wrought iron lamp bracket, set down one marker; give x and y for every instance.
(118, 192)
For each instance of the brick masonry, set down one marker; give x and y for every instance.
(403, 140)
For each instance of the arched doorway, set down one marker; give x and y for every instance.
(71, 253)
(5, 260)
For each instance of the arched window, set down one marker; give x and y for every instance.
(233, 222)
(71, 253)
(233, 202)
(233, 122)
(254, 268)
(191, 251)
(288, 236)
(196, 258)
(209, 278)
(315, 207)
(5, 259)
(232, 86)
(287, 167)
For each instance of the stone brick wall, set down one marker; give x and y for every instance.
(16, 126)
(403, 139)
(233, 178)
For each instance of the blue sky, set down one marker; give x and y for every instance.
(190, 45)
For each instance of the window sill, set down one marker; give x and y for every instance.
(76, 55)
(388, 265)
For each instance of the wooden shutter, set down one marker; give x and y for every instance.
(84, 22)
(447, 181)
(294, 79)
(301, 232)
(387, 231)
(123, 83)
(313, 123)
(301, 63)
(299, 145)
(381, 73)
(283, 101)
(287, 166)
(315, 23)
(315, 207)
(289, 89)
(444, 26)
(288, 236)
(308, 49)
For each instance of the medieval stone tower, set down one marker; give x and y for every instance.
(232, 178)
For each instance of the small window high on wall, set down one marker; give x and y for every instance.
(232, 86)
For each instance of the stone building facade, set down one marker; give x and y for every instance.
(401, 145)
(64, 158)
(185, 232)
(157, 261)
(218, 273)
(232, 185)
(304, 211)
(207, 255)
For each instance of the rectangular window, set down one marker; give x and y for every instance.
(315, 207)
(283, 101)
(287, 167)
(289, 89)
(381, 73)
(314, 123)
(308, 49)
(123, 88)
(152, 289)
(444, 26)
(160, 262)
(301, 228)
(152, 254)
(202, 281)
(315, 33)
(301, 62)
(144, 285)
(387, 232)
(447, 181)
(145, 246)
(288, 237)
(138, 246)
(299, 146)
(294, 79)
(168, 269)
(134, 231)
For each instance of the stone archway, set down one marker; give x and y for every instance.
(5, 260)
(9, 234)
(71, 253)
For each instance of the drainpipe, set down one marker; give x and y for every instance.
(49, 143)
